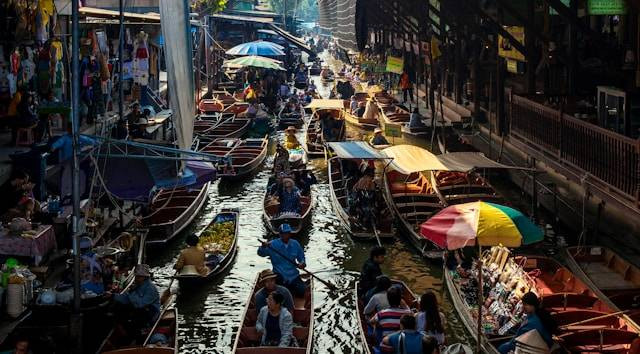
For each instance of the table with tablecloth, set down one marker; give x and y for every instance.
(37, 247)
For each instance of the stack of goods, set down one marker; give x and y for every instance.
(218, 237)
(504, 284)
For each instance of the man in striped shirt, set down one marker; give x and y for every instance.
(388, 321)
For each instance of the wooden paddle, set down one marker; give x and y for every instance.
(375, 232)
(329, 285)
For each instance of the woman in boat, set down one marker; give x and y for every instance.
(281, 162)
(537, 318)
(290, 140)
(378, 138)
(269, 285)
(370, 111)
(275, 323)
(415, 119)
(192, 256)
(289, 197)
(430, 320)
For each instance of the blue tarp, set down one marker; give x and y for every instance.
(356, 150)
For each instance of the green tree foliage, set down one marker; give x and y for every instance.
(206, 7)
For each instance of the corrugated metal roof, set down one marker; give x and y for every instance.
(95, 12)
(243, 18)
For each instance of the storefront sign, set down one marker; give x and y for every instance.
(606, 7)
(381, 68)
(395, 65)
(392, 130)
(512, 66)
(505, 49)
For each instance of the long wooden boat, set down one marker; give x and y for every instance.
(613, 277)
(368, 342)
(217, 225)
(171, 211)
(460, 187)
(340, 187)
(295, 118)
(248, 340)
(384, 99)
(233, 127)
(245, 155)
(166, 324)
(360, 122)
(274, 219)
(315, 138)
(397, 116)
(413, 200)
(569, 301)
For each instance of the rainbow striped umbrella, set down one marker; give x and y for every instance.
(480, 223)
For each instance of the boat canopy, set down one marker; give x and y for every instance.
(409, 158)
(325, 104)
(356, 150)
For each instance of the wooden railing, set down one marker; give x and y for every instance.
(609, 158)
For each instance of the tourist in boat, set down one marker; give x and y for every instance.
(387, 321)
(281, 162)
(378, 138)
(415, 119)
(430, 320)
(304, 180)
(430, 346)
(378, 301)
(537, 318)
(408, 340)
(289, 197)
(141, 303)
(361, 109)
(269, 285)
(290, 139)
(353, 105)
(275, 323)
(286, 270)
(193, 256)
(371, 269)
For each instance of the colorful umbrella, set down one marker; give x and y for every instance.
(480, 223)
(255, 62)
(263, 48)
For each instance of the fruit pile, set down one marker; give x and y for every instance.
(217, 237)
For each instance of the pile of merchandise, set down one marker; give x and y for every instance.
(218, 237)
(504, 284)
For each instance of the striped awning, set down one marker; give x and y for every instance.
(356, 150)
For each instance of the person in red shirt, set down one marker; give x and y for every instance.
(406, 86)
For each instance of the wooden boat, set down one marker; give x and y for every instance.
(274, 219)
(315, 132)
(413, 199)
(384, 99)
(340, 188)
(613, 277)
(233, 127)
(166, 324)
(189, 275)
(248, 340)
(569, 301)
(398, 117)
(245, 155)
(461, 187)
(171, 211)
(295, 118)
(368, 342)
(360, 122)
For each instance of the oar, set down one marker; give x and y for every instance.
(595, 318)
(329, 285)
(375, 232)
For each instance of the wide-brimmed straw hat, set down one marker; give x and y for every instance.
(377, 130)
(291, 128)
(142, 270)
(267, 274)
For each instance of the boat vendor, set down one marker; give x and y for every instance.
(378, 138)
(290, 139)
(371, 269)
(537, 318)
(192, 257)
(281, 162)
(275, 323)
(286, 270)
(363, 199)
(140, 305)
(370, 111)
(269, 285)
(415, 119)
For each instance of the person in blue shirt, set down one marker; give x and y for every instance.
(286, 270)
(64, 145)
(407, 340)
(537, 318)
(141, 303)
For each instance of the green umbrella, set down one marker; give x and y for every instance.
(254, 61)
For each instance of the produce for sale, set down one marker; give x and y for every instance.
(217, 237)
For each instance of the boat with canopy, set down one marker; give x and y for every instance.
(326, 124)
(374, 221)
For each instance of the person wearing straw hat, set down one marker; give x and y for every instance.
(269, 285)
(289, 197)
(290, 139)
(141, 303)
(537, 319)
(286, 270)
(378, 138)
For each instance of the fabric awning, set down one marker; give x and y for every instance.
(356, 150)
(325, 104)
(409, 158)
(298, 42)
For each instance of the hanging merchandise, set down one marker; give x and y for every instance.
(28, 66)
(56, 49)
(141, 60)
(15, 61)
(44, 65)
(58, 82)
